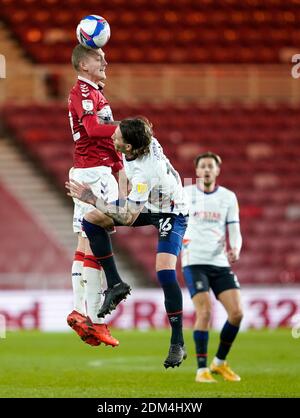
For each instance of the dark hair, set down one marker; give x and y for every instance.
(138, 133)
(208, 154)
(79, 54)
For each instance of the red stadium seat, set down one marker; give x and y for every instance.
(19, 256)
(264, 174)
(189, 32)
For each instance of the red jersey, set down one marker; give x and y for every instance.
(93, 144)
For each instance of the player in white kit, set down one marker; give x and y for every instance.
(156, 198)
(213, 211)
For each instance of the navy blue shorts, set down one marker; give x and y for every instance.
(171, 229)
(201, 278)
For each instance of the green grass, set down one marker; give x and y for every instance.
(34, 364)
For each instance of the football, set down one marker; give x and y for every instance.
(93, 31)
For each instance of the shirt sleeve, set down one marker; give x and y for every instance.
(140, 191)
(96, 130)
(234, 235)
(118, 165)
(233, 211)
(87, 114)
(186, 195)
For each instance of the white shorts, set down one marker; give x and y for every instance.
(103, 184)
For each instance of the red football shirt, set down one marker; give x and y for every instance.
(93, 144)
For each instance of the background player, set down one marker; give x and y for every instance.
(157, 186)
(95, 158)
(213, 211)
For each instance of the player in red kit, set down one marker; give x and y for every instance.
(95, 158)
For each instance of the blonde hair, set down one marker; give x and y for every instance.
(79, 54)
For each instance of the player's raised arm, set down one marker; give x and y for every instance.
(96, 130)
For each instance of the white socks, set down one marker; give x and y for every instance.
(93, 293)
(78, 286)
(202, 369)
(218, 362)
(87, 279)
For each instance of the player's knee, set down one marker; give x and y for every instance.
(164, 266)
(165, 261)
(236, 317)
(81, 243)
(203, 315)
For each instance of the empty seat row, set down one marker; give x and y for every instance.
(194, 32)
(263, 173)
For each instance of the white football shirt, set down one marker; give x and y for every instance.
(209, 214)
(155, 182)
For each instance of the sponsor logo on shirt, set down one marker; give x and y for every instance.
(208, 216)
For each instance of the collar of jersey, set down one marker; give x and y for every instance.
(88, 82)
(130, 159)
(215, 189)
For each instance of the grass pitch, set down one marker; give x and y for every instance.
(48, 365)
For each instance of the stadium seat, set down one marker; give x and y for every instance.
(260, 151)
(233, 32)
(24, 240)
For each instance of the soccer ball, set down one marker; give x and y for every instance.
(93, 31)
